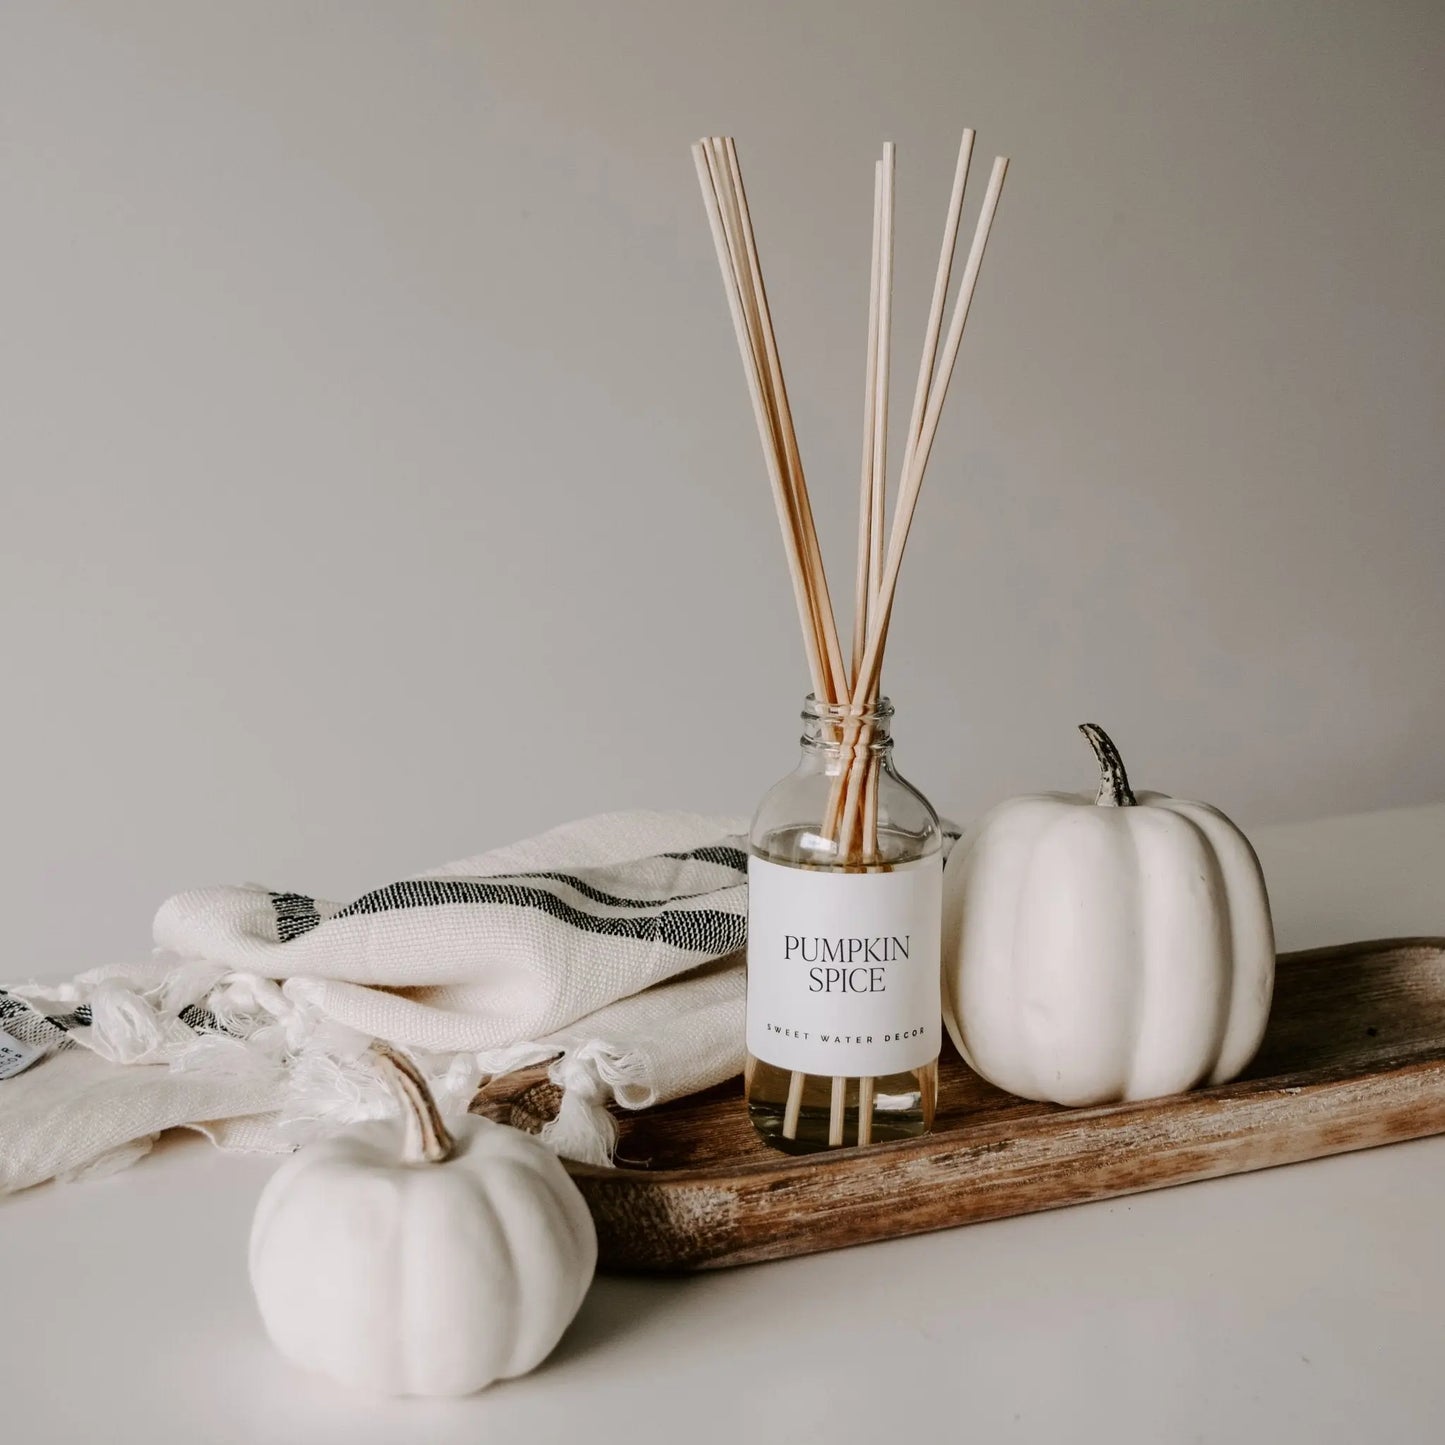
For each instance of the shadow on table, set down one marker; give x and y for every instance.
(618, 1308)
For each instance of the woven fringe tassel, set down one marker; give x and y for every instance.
(584, 1130)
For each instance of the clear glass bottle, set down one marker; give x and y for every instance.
(845, 881)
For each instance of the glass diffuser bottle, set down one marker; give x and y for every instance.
(844, 883)
(845, 867)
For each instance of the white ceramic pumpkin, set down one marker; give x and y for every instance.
(406, 1259)
(1107, 947)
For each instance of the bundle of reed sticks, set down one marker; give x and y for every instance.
(850, 685)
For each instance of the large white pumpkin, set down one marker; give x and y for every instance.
(416, 1260)
(1107, 947)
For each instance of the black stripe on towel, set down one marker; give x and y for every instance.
(730, 858)
(295, 914)
(80, 1019)
(698, 930)
(23, 1021)
(199, 1018)
(609, 900)
(724, 857)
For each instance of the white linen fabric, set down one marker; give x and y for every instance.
(611, 945)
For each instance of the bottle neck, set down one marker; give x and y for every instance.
(832, 730)
(845, 805)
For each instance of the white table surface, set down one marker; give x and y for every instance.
(1304, 1304)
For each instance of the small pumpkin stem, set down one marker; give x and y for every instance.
(1114, 789)
(437, 1144)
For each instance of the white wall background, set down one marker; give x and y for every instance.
(379, 483)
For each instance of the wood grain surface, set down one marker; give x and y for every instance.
(1354, 1057)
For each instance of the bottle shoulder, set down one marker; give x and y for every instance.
(792, 822)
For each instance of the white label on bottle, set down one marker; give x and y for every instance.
(843, 969)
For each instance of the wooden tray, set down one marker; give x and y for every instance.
(1354, 1057)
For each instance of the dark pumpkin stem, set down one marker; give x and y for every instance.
(1114, 789)
(436, 1143)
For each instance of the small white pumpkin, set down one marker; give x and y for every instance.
(1105, 948)
(405, 1259)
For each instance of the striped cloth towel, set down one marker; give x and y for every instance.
(611, 946)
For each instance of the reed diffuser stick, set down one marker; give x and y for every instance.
(940, 291)
(916, 458)
(864, 584)
(812, 553)
(871, 522)
(793, 1108)
(881, 372)
(879, 368)
(873, 502)
(866, 1089)
(761, 412)
(837, 1107)
(868, 842)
